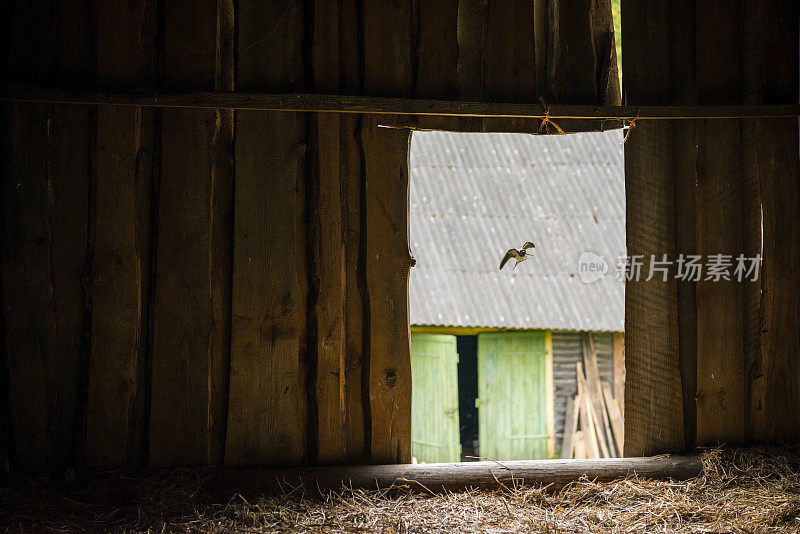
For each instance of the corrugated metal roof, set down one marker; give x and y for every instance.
(473, 196)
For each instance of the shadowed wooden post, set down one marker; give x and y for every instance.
(267, 408)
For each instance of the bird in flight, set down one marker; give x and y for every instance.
(519, 255)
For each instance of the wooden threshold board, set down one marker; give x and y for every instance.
(436, 477)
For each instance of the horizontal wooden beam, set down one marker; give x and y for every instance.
(302, 102)
(448, 476)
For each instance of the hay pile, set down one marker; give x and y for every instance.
(745, 490)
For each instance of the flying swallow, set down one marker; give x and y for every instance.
(519, 255)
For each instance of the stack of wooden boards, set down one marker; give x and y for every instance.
(594, 425)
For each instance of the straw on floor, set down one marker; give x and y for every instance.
(740, 490)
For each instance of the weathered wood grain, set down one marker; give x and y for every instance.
(387, 267)
(721, 378)
(327, 250)
(653, 393)
(570, 427)
(353, 104)
(618, 347)
(267, 419)
(471, 22)
(508, 72)
(329, 304)
(436, 46)
(771, 62)
(387, 72)
(189, 320)
(442, 476)
(356, 335)
(45, 219)
(356, 302)
(122, 162)
(27, 306)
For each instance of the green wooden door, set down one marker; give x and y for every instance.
(512, 396)
(434, 399)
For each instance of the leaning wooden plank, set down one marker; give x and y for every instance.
(615, 416)
(595, 388)
(587, 421)
(267, 408)
(190, 324)
(570, 426)
(580, 446)
(619, 367)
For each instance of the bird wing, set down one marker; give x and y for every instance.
(528, 245)
(512, 253)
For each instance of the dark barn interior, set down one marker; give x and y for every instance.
(205, 251)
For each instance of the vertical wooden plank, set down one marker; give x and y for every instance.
(772, 70)
(387, 267)
(45, 219)
(509, 61)
(653, 392)
(541, 31)
(189, 330)
(471, 22)
(388, 69)
(619, 367)
(436, 74)
(582, 63)
(327, 409)
(356, 336)
(67, 160)
(122, 160)
(594, 390)
(328, 307)
(721, 383)
(387, 72)
(570, 428)
(548, 377)
(29, 335)
(221, 254)
(267, 419)
(356, 292)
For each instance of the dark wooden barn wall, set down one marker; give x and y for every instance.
(712, 362)
(209, 287)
